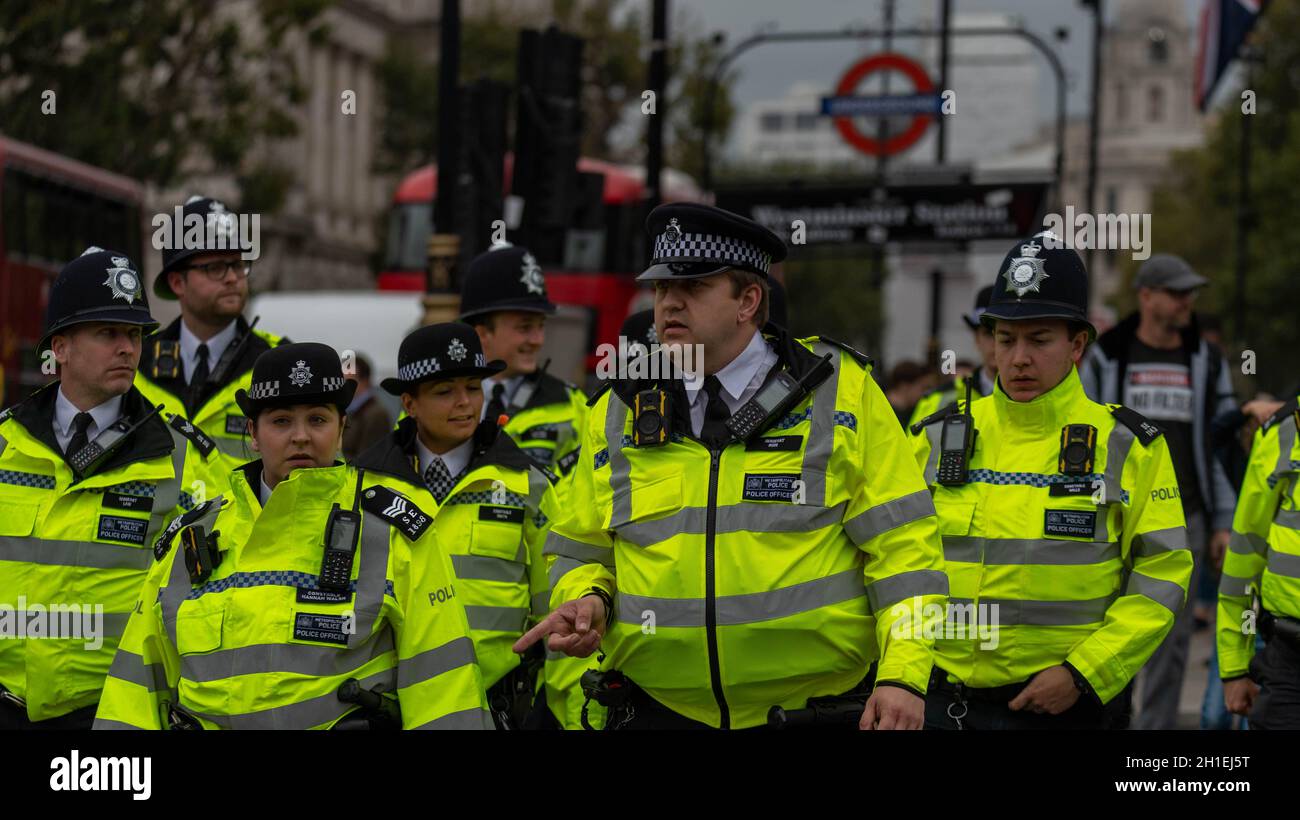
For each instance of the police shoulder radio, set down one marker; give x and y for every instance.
(776, 398)
(91, 457)
(956, 445)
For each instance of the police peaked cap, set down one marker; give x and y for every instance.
(436, 352)
(98, 286)
(693, 241)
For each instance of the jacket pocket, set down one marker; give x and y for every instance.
(496, 539)
(955, 518)
(199, 632)
(17, 519)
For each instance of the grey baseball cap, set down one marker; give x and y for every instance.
(1164, 270)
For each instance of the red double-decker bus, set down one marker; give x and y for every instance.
(604, 290)
(51, 209)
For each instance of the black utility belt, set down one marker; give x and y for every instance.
(991, 694)
(1280, 627)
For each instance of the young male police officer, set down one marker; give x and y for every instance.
(89, 473)
(725, 569)
(504, 298)
(1063, 535)
(1264, 560)
(195, 365)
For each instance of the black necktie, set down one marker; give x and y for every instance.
(200, 374)
(80, 424)
(714, 432)
(439, 479)
(497, 405)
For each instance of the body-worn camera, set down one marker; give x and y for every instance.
(650, 417)
(1078, 446)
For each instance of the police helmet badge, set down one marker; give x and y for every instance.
(673, 233)
(122, 281)
(300, 376)
(1025, 273)
(532, 275)
(456, 350)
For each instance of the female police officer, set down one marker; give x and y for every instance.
(491, 502)
(314, 597)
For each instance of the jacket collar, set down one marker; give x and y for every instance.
(147, 442)
(1044, 416)
(395, 454)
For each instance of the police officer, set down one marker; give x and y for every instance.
(316, 598)
(1263, 562)
(504, 297)
(733, 537)
(981, 381)
(490, 503)
(89, 474)
(195, 365)
(1063, 535)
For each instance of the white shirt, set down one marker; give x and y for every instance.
(740, 380)
(512, 386)
(65, 412)
(264, 494)
(216, 346)
(454, 459)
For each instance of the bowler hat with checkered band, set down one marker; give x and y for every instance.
(693, 241)
(441, 351)
(297, 373)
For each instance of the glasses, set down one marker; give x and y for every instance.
(216, 271)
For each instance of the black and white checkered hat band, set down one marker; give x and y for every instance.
(332, 383)
(263, 390)
(704, 247)
(429, 367)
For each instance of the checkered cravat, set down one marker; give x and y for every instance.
(438, 479)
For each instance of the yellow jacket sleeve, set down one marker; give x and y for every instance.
(579, 548)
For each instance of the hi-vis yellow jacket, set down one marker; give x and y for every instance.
(216, 412)
(1264, 553)
(259, 645)
(756, 575)
(492, 524)
(74, 553)
(938, 399)
(544, 417)
(1047, 568)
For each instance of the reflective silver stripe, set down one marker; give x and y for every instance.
(620, 469)
(1282, 563)
(1166, 593)
(932, 461)
(562, 566)
(1247, 543)
(468, 719)
(821, 429)
(538, 484)
(497, 618)
(167, 493)
(178, 586)
(130, 667)
(1232, 585)
(557, 544)
(488, 568)
(890, 515)
(1285, 442)
(541, 604)
(888, 591)
(748, 608)
(1118, 445)
(372, 575)
(305, 714)
(1018, 551)
(93, 554)
(747, 516)
(287, 658)
(1148, 544)
(1288, 518)
(233, 447)
(1011, 612)
(434, 662)
(103, 724)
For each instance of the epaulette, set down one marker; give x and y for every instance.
(565, 463)
(546, 471)
(1280, 416)
(1145, 430)
(863, 359)
(938, 415)
(600, 391)
(5, 414)
(197, 437)
(397, 510)
(180, 522)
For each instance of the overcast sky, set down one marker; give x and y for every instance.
(767, 71)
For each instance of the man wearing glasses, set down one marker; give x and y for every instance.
(195, 365)
(1155, 362)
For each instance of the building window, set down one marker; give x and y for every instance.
(806, 122)
(771, 123)
(1156, 104)
(1157, 46)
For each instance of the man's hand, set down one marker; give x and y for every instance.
(1219, 546)
(1261, 410)
(575, 627)
(1050, 692)
(891, 707)
(1239, 695)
